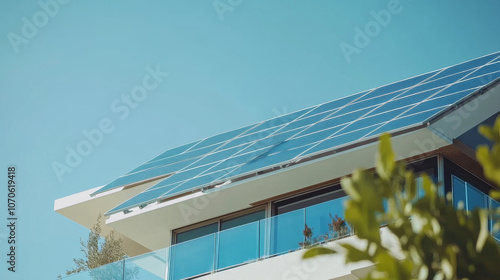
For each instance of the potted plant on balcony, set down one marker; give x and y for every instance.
(338, 228)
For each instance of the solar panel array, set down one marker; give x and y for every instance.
(314, 130)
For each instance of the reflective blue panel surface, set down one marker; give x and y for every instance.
(192, 258)
(146, 174)
(405, 101)
(302, 123)
(271, 141)
(367, 103)
(250, 137)
(404, 121)
(268, 160)
(306, 140)
(183, 175)
(375, 119)
(399, 85)
(175, 151)
(335, 121)
(195, 183)
(487, 69)
(467, 65)
(364, 115)
(142, 198)
(193, 153)
(439, 102)
(335, 104)
(278, 121)
(437, 83)
(222, 137)
(341, 139)
(219, 155)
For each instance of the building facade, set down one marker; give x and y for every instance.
(244, 203)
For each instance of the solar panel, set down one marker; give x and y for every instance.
(328, 126)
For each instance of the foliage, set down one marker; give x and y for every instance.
(437, 240)
(336, 229)
(308, 233)
(101, 256)
(490, 159)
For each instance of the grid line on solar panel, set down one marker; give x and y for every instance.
(434, 84)
(427, 80)
(448, 86)
(462, 79)
(196, 183)
(206, 147)
(391, 94)
(142, 176)
(211, 167)
(339, 140)
(401, 85)
(280, 120)
(224, 164)
(334, 104)
(174, 151)
(264, 161)
(196, 154)
(223, 137)
(405, 122)
(470, 64)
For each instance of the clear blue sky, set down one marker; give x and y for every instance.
(64, 70)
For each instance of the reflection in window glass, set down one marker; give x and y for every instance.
(458, 191)
(241, 220)
(475, 198)
(494, 205)
(196, 233)
(472, 198)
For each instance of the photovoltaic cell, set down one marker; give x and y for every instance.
(222, 137)
(288, 138)
(279, 121)
(405, 121)
(340, 139)
(146, 174)
(405, 101)
(399, 85)
(335, 104)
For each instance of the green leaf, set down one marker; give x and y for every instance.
(489, 133)
(354, 254)
(386, 158)
(316, 251)
(483, 231)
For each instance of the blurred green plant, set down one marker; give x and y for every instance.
(437, 240)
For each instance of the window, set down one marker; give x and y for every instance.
(472, 198)
(181, 235)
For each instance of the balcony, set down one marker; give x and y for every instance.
(230, 248)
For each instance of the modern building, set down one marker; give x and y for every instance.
(236, 205)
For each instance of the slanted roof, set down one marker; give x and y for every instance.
(309, 133)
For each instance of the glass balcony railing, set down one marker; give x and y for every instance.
(232, 247)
